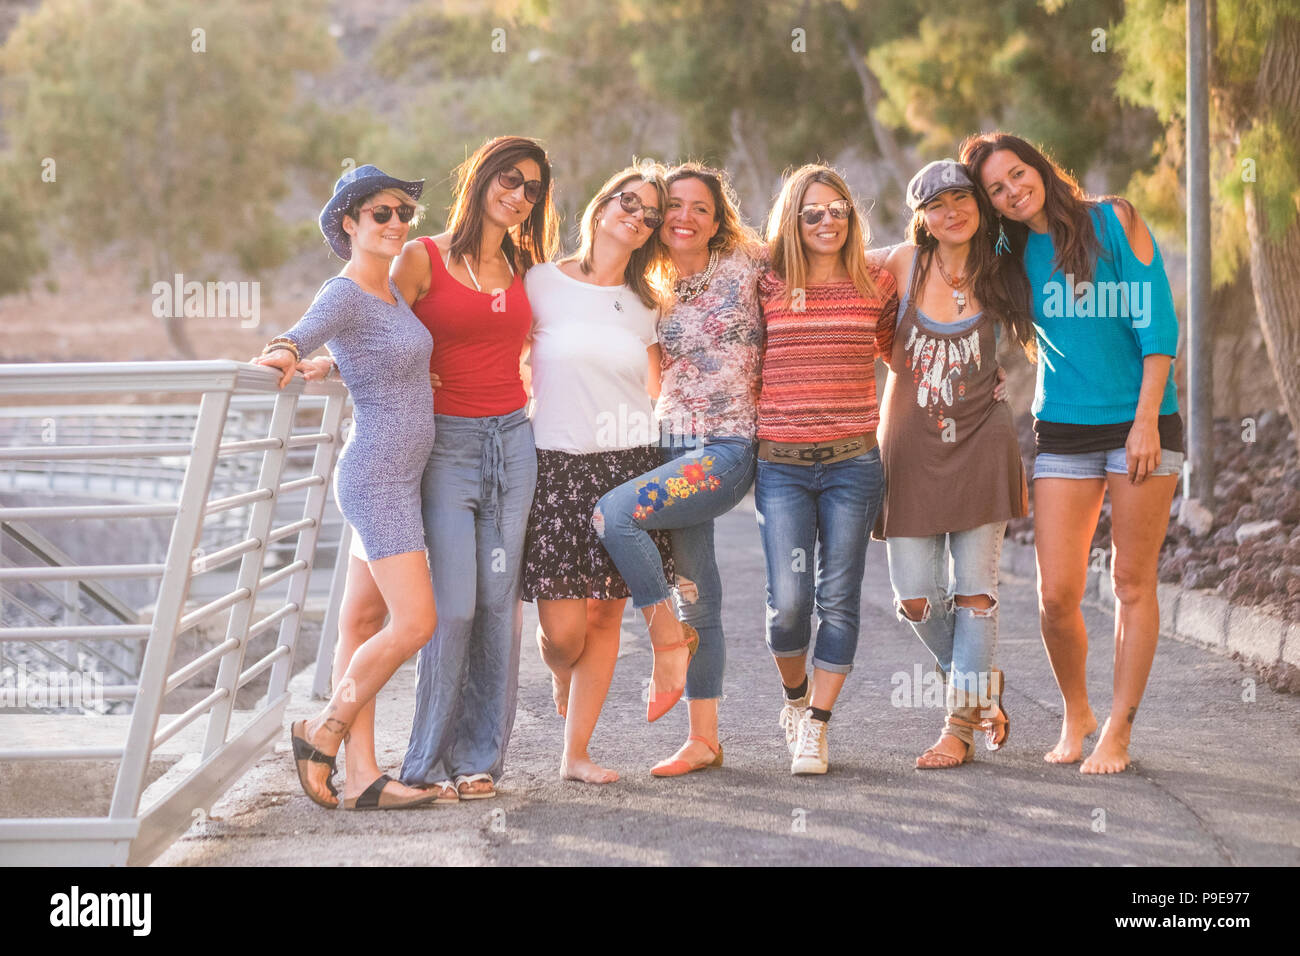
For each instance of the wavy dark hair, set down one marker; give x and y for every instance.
(999, 282)
(733, 232)
(1067, 206)
(537, 238)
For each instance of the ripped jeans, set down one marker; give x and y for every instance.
(938, 568)
(694, 486)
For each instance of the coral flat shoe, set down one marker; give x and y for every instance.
(656, 707)
(679, 768)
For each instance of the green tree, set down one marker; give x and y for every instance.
(173, 125)
(20, 246)
(1254, 80)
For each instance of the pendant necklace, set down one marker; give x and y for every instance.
(954, 284)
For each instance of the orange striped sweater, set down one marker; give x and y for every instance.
(819, 364)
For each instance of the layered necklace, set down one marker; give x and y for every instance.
(690, 287)
(956, 285)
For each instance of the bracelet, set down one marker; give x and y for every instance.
(282, 342)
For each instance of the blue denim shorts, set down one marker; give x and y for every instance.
(1097, 464)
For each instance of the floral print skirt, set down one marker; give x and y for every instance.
(563, 557)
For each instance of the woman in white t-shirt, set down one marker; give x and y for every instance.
(595, 365)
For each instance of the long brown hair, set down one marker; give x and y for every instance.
(1000, 285)
(1068, 208)
(785, 243)
(645, 259)
(534, 240)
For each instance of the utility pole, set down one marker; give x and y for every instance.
(1198, 487)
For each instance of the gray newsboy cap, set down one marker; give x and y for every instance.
(935, 178)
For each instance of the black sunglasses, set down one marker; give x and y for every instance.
(381, 214)
(631, 202)
(512, 179)
(816, 212)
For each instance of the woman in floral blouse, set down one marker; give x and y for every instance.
(711, 334)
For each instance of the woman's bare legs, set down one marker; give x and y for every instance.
(585, 634)
(1065, 516)
(361, 617)
(1139, 520)
(406, 588)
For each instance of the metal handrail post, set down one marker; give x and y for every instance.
(314, 508)
(329, 629)
(260, 520)
(171, 604)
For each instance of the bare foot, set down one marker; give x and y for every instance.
(583, 769)
(560, 692)
(1070, 747)
(1111, 753)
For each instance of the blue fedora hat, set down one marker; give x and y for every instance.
(353, 185)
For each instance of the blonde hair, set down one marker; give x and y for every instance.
(645, 259)
(785, 242)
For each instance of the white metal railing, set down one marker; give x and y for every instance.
(130, 832)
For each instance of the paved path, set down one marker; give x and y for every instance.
(1215, 780)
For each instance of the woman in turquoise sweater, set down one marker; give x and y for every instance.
(1105, 418)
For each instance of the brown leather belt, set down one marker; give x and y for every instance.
(817, 452)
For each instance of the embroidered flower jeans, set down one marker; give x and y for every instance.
(694, 486)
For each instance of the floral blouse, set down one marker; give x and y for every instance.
(712, 355)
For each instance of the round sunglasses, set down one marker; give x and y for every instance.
(512, 179)
(381, 214)
(815, 212)
(631, 202)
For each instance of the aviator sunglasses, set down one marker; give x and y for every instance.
(813, 214)
(381, 214)
(631, 202)
(512, 179)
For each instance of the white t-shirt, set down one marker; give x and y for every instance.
(589, 364)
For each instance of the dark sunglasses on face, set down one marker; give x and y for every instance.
(381, 214)
(512, 179)
(814, 213)
(631, 202)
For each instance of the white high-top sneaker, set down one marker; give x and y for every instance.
(789, 719)
(811, 753)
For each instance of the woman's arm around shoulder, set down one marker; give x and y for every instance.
(413, 271)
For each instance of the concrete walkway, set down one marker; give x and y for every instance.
(1214, 782)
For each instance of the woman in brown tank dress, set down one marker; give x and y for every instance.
(952, 462)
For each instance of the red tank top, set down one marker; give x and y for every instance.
(477, 339)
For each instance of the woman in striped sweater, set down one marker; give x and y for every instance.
(820, 480)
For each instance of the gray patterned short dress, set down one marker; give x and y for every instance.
(382, 352)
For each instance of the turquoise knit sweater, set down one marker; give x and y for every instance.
(1093, 336)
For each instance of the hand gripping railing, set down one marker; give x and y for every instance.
(131, 833)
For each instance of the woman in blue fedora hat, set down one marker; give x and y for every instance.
(382, 351)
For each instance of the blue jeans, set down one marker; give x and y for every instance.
(962, 639)
(477, 491)
(828, 510)
(694, 486)
(1099, 464)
